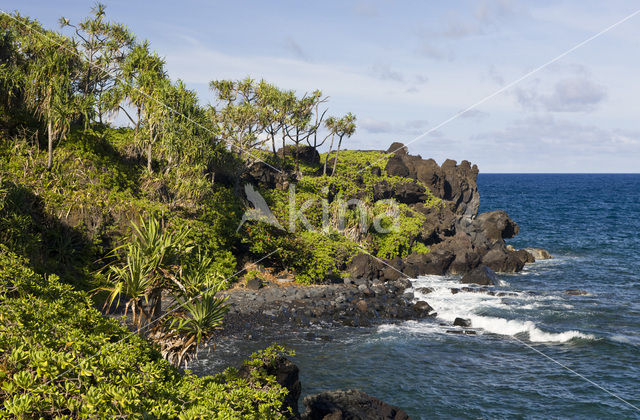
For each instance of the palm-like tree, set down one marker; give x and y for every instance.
(143, 85)
(50, 69)
(344, 127)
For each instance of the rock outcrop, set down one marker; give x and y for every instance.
(455, 184)
(460, 239)
(305, 153)
(349, 404)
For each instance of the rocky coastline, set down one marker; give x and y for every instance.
(377, 290)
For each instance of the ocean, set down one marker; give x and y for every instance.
(538, 352)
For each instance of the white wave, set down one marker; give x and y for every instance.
(474, 305)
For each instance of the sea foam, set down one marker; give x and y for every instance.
(475, 306)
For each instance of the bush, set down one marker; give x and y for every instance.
(59, 357)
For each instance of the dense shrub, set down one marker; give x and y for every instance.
(59, 357)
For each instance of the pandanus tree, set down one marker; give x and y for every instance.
(272, 110)
(300, 127)
(143, 86)
(187, 134)
(338, 128)
(239, 116)
(12, 67)
(103, 46)
(51, 70)
(161, 263)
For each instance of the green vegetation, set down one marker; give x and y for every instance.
(59, 357)
(142, 221)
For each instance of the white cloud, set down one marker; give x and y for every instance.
(384, 72)
(568, 95)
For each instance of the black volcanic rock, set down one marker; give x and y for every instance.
(306, 154)
(456, 184)
(435, 262)
(502, 260)
(461, 322)
(364, 266)
(482, 275)
(350, 404)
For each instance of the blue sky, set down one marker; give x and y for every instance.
(404, 67)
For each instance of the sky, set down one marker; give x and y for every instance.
(539, 98)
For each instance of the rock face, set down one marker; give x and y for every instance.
(349, 404)
(460, 239)
(455, 184)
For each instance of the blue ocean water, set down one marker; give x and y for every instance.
(540, 353)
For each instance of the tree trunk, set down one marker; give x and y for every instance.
(326, 158)
(50, 145)
(149, 150)
(297, 152)
(335, 161)
(283, 151)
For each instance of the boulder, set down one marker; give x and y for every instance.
(392, 270)
(364, 266)
(462, 322)
(422, 308)
(539, 253)
(402, 283)
(464, 262)
(362, 306)
(524, 255)
(502, 261)
(306, 154)
(481, 275)
(435, 262)
(349, 404)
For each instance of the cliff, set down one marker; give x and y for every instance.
(460, 239)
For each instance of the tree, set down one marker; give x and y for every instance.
(52, 65)
(143, 85)
(318, 119)
(187, 133)
(300, 127)
(104, 47)
(12, 70)
(158, 261)
(340, 128)
(239, 116)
